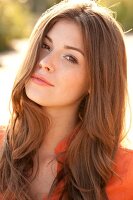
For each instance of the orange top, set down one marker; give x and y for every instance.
(118, 188)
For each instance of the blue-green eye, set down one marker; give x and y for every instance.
(71, 59)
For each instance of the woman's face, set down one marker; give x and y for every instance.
(62, 63)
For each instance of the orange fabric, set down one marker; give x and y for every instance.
(121, 188)
(118, 188)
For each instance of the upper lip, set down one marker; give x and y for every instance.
(41, 78)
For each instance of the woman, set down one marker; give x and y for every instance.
(64, 138)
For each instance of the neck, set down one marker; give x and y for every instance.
(63, 122)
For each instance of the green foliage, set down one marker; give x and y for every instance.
(125, 14)
(124, 11)
(15, 22)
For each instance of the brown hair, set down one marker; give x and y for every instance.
(90, 155)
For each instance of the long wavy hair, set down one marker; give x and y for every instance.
(90, 155)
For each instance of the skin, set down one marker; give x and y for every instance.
(66, 69)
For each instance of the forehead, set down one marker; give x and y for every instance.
(67, 30)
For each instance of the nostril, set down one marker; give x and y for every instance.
(46, 67)
(49, 68)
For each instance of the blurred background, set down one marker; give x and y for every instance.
(17, 18)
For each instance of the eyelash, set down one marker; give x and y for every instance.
(45, 46)
(70, 58)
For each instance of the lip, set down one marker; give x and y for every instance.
(37, 78)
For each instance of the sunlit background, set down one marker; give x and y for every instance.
(17, 18)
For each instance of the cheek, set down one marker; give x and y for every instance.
(36, 93)
(75, 84)
(69, 87)
(30, 91)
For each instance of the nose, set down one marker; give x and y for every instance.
(46, 65)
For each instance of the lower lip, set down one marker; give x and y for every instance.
(39, 81)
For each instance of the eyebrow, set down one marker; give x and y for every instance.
(67, 46)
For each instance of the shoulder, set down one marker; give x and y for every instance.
(124, 158)
(120, 185)
(123, 155)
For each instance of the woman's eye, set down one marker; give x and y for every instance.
(71, 59)
(45, 46)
